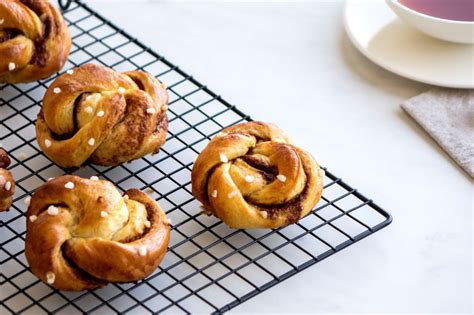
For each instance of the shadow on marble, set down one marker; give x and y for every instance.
(376, 75)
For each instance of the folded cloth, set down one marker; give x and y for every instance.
(448, 116)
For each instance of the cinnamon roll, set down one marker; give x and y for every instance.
(7, 184)
(95, 114)
(251, 176)
(82, 234)
(34, 40)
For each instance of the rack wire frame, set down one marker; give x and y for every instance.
(209, 267)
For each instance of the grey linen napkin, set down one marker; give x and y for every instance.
(448, 116)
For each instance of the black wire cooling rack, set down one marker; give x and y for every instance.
(209, 267)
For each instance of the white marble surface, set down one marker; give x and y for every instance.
(291, 63)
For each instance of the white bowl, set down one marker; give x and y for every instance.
(449, 30)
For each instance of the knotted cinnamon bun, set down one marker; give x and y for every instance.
(95, 114)
(7, 184)
(82, 234)
(251, 176)
(34, 40)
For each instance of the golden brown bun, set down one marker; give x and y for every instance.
(34, 40)
(251, 176)
(7, 184)
(96, 114)
(87, 235)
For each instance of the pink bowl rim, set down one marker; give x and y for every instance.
(430, 16)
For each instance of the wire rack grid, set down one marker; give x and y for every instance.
(209, 267)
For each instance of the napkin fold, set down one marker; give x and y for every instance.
(448, 116)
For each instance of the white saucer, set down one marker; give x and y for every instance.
(392, 44)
